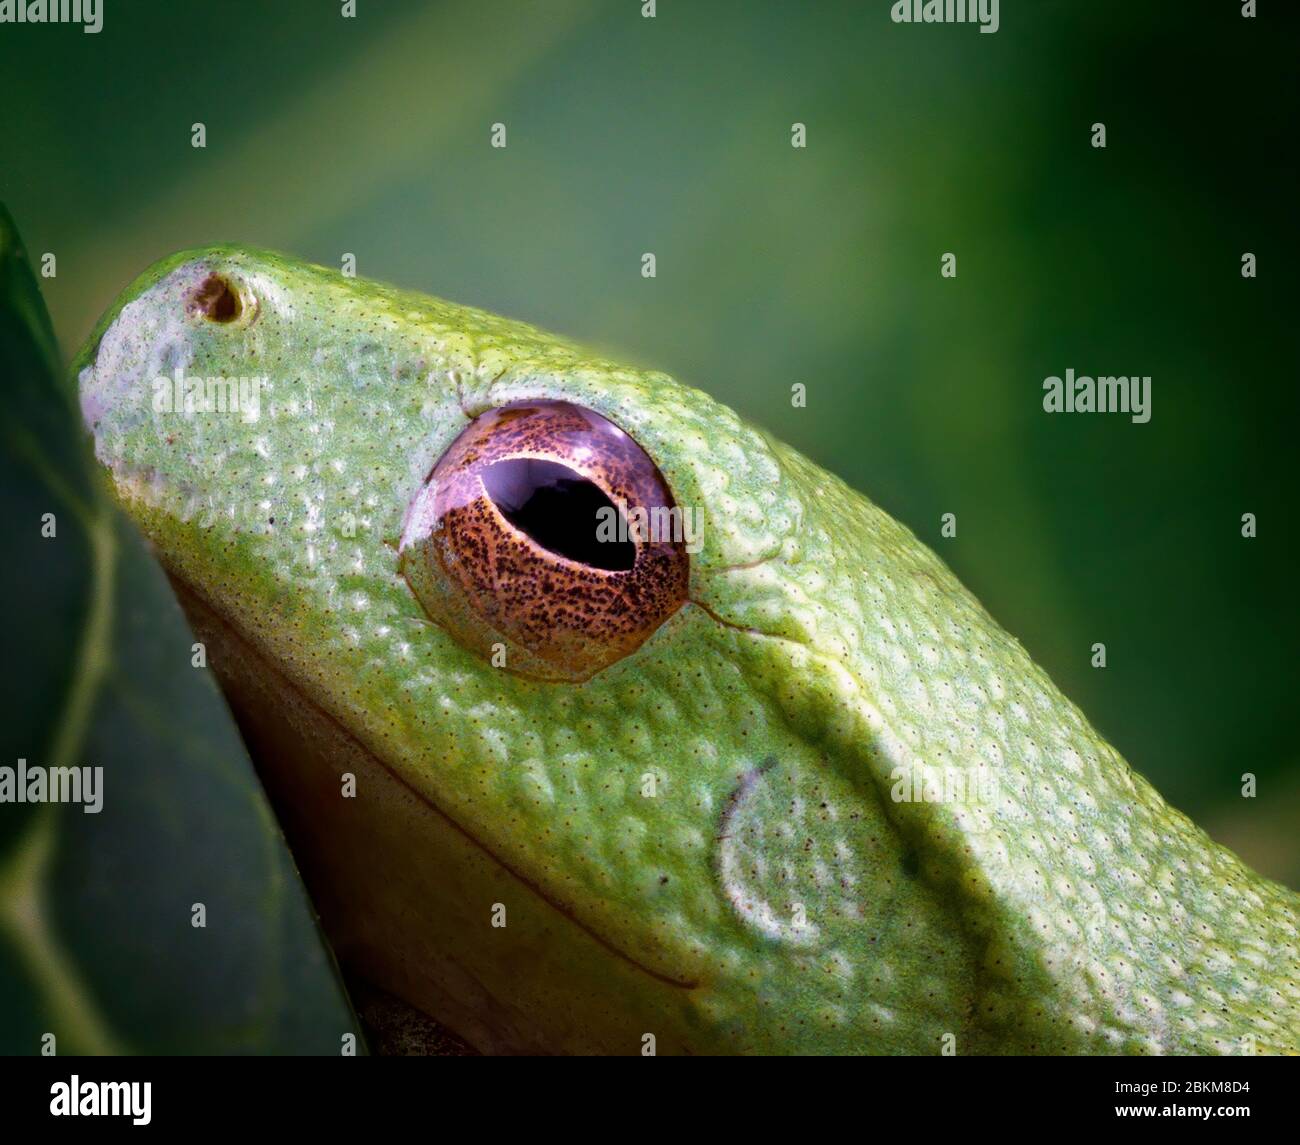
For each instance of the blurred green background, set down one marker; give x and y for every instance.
(370, 136)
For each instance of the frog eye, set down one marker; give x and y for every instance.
(534, 541)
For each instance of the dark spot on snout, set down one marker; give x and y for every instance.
(215, 299)
(911, 864)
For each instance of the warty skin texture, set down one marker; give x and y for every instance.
(701, 842)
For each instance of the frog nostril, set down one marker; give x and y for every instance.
(216, 300)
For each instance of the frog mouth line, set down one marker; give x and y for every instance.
(188, 589)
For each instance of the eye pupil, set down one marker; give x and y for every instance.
(562, 511)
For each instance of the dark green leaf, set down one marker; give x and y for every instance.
(97, 943)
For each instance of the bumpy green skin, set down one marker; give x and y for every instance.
(771, 895)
